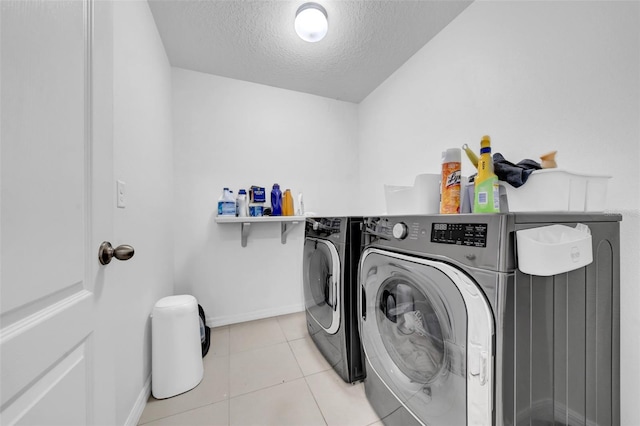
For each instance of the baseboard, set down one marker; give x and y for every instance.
(141, 401)
(213, 321)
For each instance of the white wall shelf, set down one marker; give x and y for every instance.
(287, 223)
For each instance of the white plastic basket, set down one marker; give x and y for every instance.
(421, 198)
(555, 190)
(554, 249)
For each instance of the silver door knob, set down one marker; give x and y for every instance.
(106, 252)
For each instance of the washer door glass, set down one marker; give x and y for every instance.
(321, 272)
(414, 336)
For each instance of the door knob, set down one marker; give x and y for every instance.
(107, 252)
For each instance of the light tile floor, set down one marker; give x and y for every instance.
(266, 372)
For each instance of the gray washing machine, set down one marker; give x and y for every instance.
(454, 333)
(332, 248)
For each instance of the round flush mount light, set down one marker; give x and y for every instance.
(311, 22)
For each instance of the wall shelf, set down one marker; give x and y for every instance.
(287, 223)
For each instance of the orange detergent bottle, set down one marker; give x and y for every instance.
(287, 203)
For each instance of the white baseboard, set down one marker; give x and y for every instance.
(213, 321)
(141, 401)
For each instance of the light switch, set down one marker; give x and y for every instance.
(121, 194)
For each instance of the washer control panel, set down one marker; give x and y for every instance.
(466, 234)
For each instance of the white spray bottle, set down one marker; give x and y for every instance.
(300, 211)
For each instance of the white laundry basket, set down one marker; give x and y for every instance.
(176, 351)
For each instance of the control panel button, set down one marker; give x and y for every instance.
(400, 231)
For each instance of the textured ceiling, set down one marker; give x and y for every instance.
(254, 40)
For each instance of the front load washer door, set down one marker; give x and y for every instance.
(321, 277)
(427, 333)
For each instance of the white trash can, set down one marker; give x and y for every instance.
(176, 351)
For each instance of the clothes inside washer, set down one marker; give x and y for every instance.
(419, 354)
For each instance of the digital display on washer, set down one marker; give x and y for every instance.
(466, 234)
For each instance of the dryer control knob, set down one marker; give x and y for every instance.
(400, 231)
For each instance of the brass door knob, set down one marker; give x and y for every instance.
(106, 252)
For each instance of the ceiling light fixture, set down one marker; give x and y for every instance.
(311, 22)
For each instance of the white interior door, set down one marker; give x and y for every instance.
(56, 168)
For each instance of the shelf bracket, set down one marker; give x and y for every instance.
(286, 225)
(285, 228)
(244, 232)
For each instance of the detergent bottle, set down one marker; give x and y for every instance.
(276, 200)
(487, 190)
(287, 203)
(226, 204)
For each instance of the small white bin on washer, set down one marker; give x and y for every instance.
(176, 351)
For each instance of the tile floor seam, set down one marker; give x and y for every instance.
(228, 399)
(318, 372)
(177, 412)
(229, 379)
(284, 381)
(266, 387)
(296, 358)
(180, 413)
(194, 407)
(256, 348)
(287, 337)
(282, 329)
(313, 395)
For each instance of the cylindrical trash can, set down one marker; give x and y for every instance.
(176, 351)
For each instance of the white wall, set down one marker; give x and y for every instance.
(536, 76)
(143, 160)
(237, 134)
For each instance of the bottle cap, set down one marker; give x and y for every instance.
(242, 191)
(451, 155)
(485, 142)
(275, 185)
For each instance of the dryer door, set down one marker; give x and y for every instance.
(321, 281)
(427, 333)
